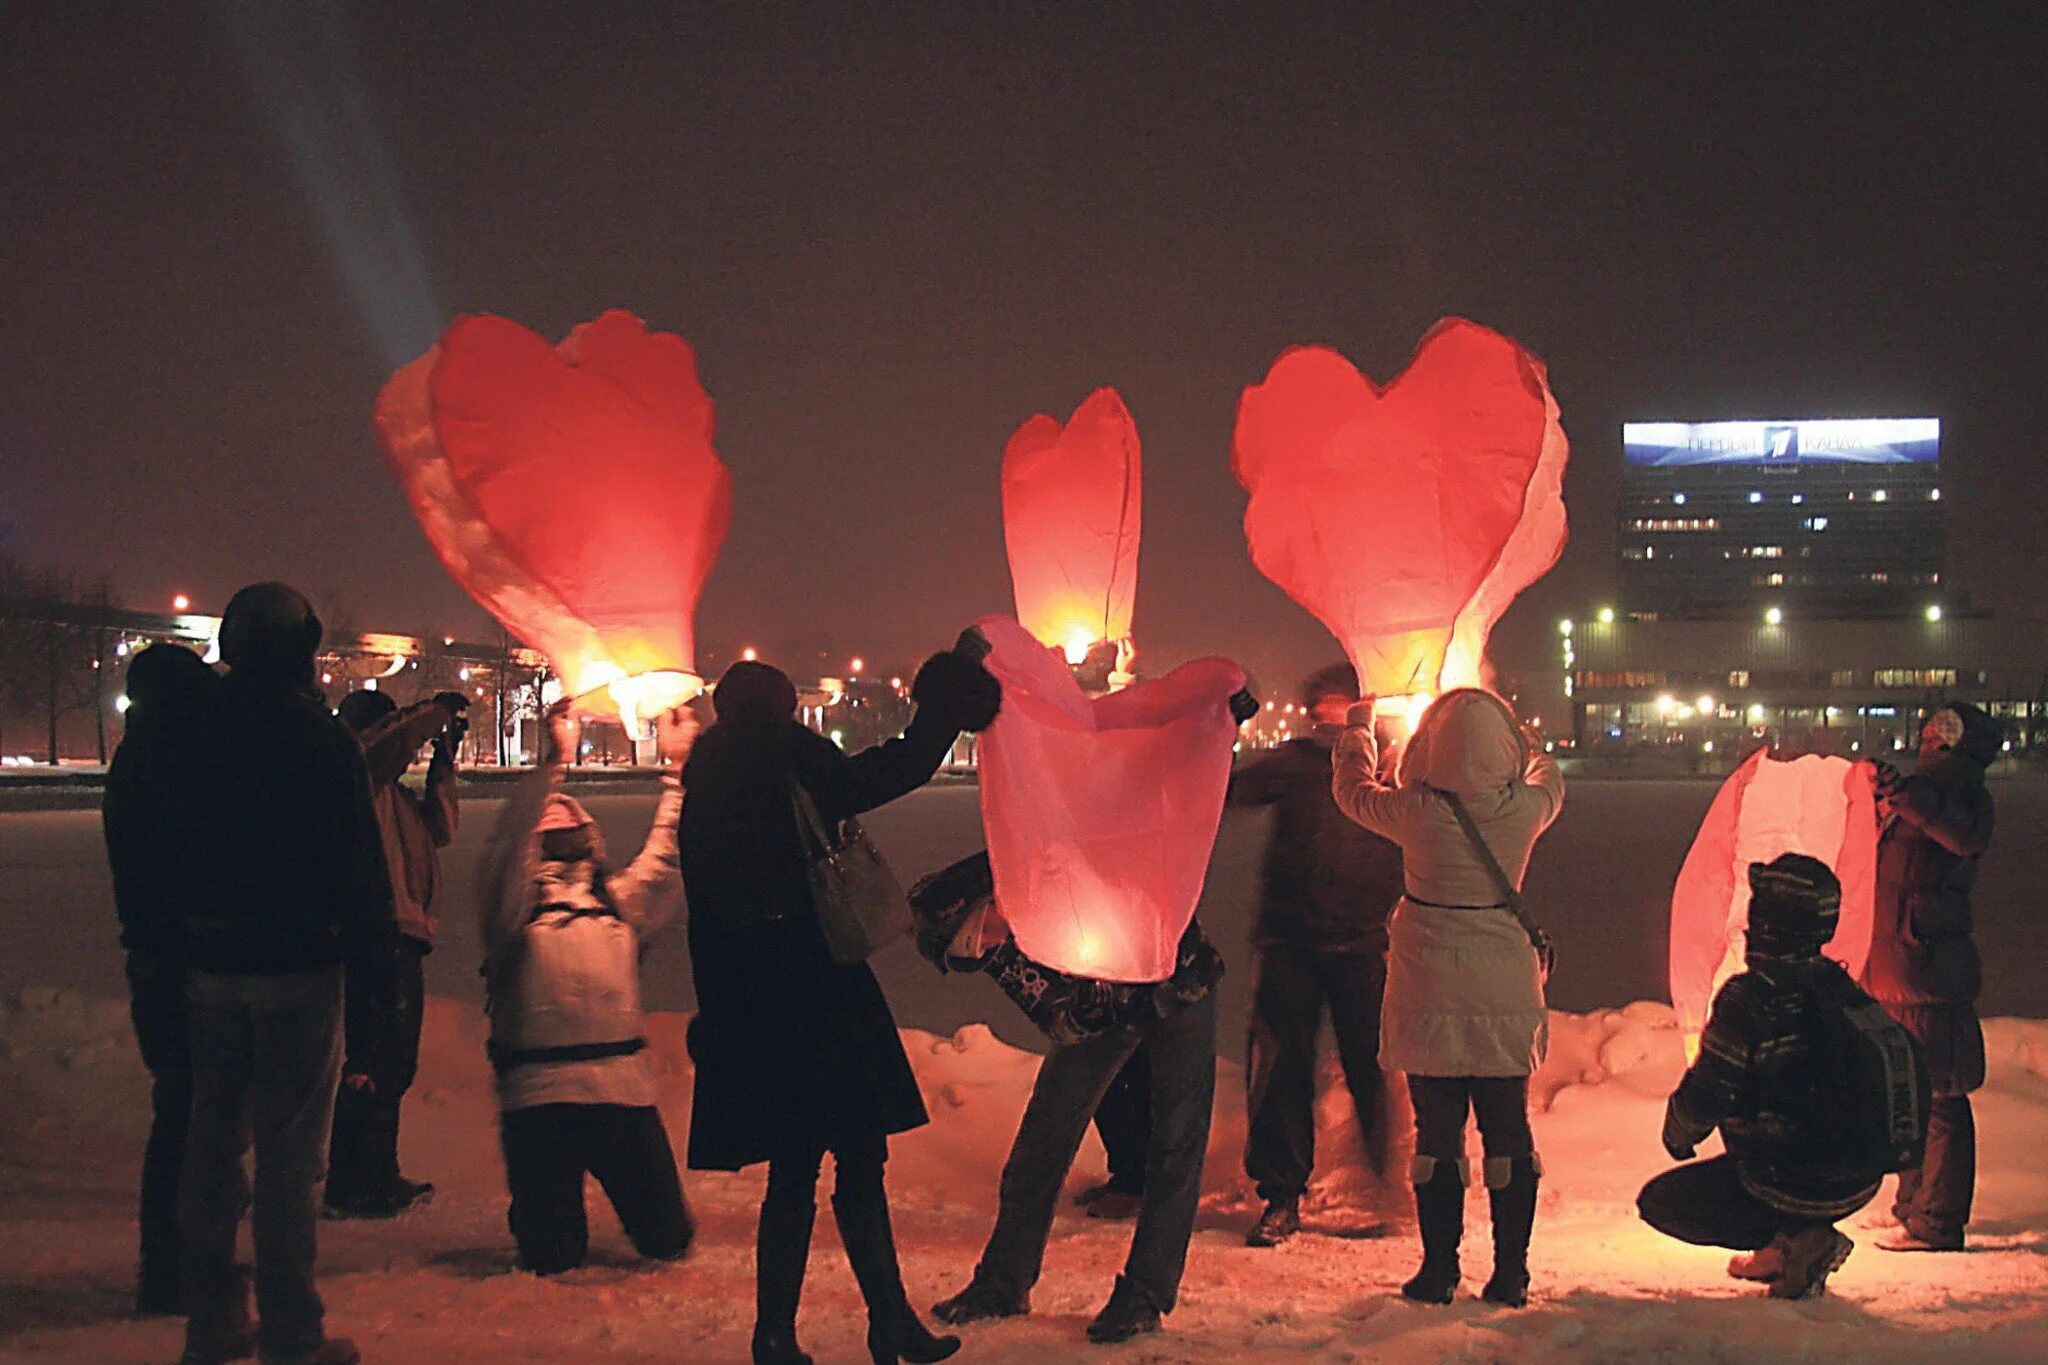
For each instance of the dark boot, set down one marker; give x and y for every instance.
(1279, 1223)
(1127, 1314)
(782, 1252)
(894, 1332)
(1440, 1215)
(1514, 1215)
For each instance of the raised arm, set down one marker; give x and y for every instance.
(1546, 780)
(953, 693)
(389, 745)
(649, 891)
(439, 808)
(1957, 817)
(505, 870)
(1355, 781)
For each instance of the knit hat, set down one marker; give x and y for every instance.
(753, 693)
(1968, 730)
(270, 629)
(360, 710)
(1795, 902)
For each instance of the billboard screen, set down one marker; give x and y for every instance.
(1853, 440)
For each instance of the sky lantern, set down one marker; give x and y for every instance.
(1406, 516)
(1101, 812)
(1071, 499)
(1823, 807)
(573, 491)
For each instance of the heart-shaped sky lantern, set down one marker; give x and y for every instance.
(1407, 517)
(573, 491)
(1101, 812)
(1823, 807)
(1071, 497)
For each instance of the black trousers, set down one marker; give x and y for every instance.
(156, 1003)
(1934, 1201)
(550, 1148)
(363, 1156)
(1442, 1103)
(1706, 1204)
(1124, 1123)
(1295, 986)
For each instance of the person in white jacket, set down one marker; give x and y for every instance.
(1464, 1014)
(563, 935)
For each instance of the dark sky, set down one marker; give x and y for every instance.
(892, 240)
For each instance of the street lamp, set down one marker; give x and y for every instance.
(181, 603)
(1775, 616)
(1934, 612)
(1607, 616)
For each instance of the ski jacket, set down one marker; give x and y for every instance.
(1327, 882)
(413, 826)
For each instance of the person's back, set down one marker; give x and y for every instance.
(1324, 878)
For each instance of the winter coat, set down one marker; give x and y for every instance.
(1464, 989)
(1923, 965)
(562, 948)
(1327, 883)
(297, 877)
(412, 826)
(795, 1052)
(160, 815)
(1762, 1078)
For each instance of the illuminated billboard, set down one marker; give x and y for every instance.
(1853, 440)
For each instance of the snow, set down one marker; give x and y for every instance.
(438, 1284)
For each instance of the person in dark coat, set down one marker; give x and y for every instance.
(297, 888)
(798, 1055)
(1923, 965)
(158, 799)
(1764, 1079)
(1326, 891)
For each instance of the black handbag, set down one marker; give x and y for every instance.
(861, 906)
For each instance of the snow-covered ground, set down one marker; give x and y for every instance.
(437, 1285)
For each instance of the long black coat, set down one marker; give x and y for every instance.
(794, 1051)
(1328, 884)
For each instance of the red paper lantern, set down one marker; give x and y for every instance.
(573, 491)
(1823, 807)
(1406, 517)
(1071, 523)
(1101, 812)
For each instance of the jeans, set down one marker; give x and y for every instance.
(1706, 1204)
(266, 1055)
(1501, 1104)
(1934, 1201)
(1280, 1079)
(1070, 1086)
(549, 1148)
(363, 1160)
(1124, 1123)
(156, 1003)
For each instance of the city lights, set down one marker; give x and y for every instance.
(181, 603)
(1775, 616)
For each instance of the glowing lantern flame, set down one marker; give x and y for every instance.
(573, 491)
(1101, 812)
(1406, 517)
(1823, 807)
(1071, 524)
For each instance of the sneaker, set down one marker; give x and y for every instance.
(1810, 1257)
(333, 1351)
(1279, 1223)
(1127, 1314)
(980, 1302)
(1117, 1206)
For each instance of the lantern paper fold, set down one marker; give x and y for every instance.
(1823, 807)
(572, 490)
(1071, 523)
(1101, 813)
(1406, 517)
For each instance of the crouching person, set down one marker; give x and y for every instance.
(1771, 1075)
(563, 935)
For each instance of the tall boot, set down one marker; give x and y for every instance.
(894, 1332)
(782, 1252)
(1511, 1189)
(1440, 1214)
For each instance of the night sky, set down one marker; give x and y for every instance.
(891, 240)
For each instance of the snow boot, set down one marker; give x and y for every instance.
(1811, 1255)
(1511, 1190)
(782, 1252)
(1279, 1223)
(1440, 1214)
(894, 1333)
(1128, 1313)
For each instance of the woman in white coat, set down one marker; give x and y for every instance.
(1464, 1015)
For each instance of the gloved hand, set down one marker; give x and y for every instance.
(957, 691)
(1361, 713)
(1682, 1136)
(1243, 705)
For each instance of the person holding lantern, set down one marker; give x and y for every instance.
(1326, 890)
(1923, 965)
(797, 1053)
(363, 1179)
(1464, 1015)
(563, 936)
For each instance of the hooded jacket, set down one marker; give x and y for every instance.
(1464, 990)
(413, 827)
(562, 948)
(161, 805)
(1326, 883)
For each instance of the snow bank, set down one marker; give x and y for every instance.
(437, 1284)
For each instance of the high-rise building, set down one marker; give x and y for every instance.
(1832, 518)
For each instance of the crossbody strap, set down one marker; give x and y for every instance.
(1510, 897)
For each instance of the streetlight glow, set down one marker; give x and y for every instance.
(181, 603)
(1775, 616)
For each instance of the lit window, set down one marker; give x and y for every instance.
(1755, 496)
(1880, 496)
(1798, 498)
(1934, 495)
(1816, 523)
(1679, 498)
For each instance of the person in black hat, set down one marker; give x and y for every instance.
(1765, 1078)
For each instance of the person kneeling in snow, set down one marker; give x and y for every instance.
(1766, 1079)
(563, 936)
